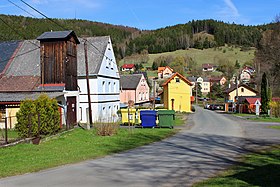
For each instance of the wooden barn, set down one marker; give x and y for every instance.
(58, 59)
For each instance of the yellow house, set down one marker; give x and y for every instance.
(177, 93)
(243, 90)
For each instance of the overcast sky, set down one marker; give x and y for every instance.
(150, 14)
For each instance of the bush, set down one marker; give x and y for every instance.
(106, 129)
(38, 117)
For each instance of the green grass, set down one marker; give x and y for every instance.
(275, 127)
(72, 147)
(258, 118)
(266, 119)
(12, 134)
(179, 119)
(261, 168)
(207, 55)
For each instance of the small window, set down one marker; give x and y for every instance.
(103, 86)
(242, 89)
(177, 80)
(109, 87)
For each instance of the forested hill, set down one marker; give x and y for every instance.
(127, 40)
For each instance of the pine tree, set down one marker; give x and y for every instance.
(264, 94)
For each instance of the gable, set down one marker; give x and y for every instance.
(180, 77)
(130, 82)
(96, 50)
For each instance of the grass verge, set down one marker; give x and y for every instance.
(261, 168)
(256, 118)
(275, 127)
(72, 147)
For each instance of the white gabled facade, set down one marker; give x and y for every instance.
(104, 89)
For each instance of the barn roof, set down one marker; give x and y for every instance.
(58, 35)
(130, 82)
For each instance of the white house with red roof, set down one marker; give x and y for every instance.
(128, 67)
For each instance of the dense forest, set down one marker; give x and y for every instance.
(128, 41)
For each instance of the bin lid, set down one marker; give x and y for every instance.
(166, 112)
(146, 112)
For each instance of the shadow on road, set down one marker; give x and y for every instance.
(175, 163)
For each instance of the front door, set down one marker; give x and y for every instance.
(71, 112)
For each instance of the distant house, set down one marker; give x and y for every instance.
(203, 81)
(164, 72)
(246, 104)
(243, 90)
(208, 67)
(218, 80)
(177, 93)
(245, 77)
(134, 87)
(128, 67)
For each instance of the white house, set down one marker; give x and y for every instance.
(204, 83)
(103, 80)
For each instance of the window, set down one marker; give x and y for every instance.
(103, 86)
(242, 90)
(140, 98)
(177, 80)
(109, 87)
(115, 88)
(107, 62)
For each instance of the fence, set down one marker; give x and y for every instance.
(7, 133)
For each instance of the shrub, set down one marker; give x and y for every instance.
(38, 117)
(106, 129)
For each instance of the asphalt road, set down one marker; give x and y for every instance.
(212, 144)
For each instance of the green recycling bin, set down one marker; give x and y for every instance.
(166, 118)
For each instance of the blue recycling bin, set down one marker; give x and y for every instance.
(148, 118)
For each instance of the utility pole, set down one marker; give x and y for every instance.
(88, 86)
(196, 93)
(154, 90)
(236, 97)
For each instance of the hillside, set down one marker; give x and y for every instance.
(200, 34)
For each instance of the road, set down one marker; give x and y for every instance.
(211, 145)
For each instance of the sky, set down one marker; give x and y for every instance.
(149, 14)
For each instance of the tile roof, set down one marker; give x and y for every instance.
(27, 62)
(95, 54)
(130, 82)
(56, 35)
(19, 83)
(232, 88)
(8, 49)
(253, 100)
(19, 96)
(180, 76)
(128, 66)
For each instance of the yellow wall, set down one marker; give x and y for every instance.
(11, 119)
(245, 92)
(180, 92)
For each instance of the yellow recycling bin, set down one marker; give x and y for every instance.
(128, 118)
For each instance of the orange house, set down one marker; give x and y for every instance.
(164, 72)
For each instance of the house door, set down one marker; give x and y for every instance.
(71, 112)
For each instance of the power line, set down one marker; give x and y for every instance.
(18, 32)
(19, 55)
(60, 26)
(21, 8)
(43, 15)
